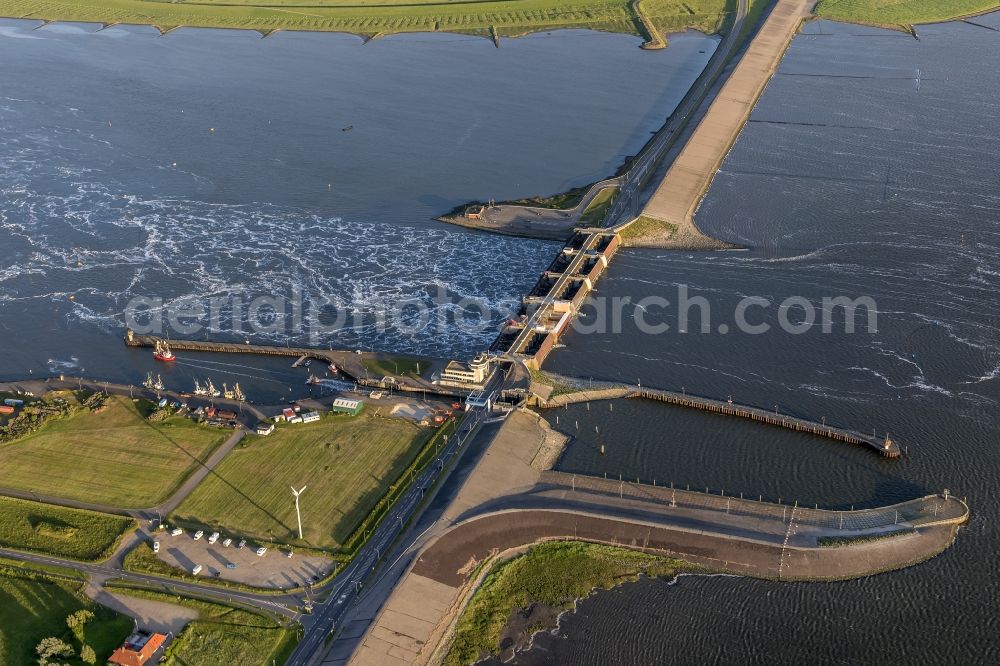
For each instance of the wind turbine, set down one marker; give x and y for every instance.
(298, 514)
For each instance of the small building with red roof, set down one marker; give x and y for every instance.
(138, 650)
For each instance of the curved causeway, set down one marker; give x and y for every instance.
(722, 534)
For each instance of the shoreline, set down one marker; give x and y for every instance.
(506, 505)
(491, 20)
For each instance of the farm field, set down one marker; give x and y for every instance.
(33, 607)
(223, 635)
(54, 530)
(372, 17)
(347, 463)
(900, 13)
(113, 457)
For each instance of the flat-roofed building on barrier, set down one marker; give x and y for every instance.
(471, 374)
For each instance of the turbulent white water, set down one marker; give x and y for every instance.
(209, 165)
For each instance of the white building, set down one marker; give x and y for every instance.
(309, 417)
(473, 373)
(264, 429)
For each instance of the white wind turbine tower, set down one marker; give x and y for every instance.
(297, 513)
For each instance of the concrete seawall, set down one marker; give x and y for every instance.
(506, 504)
(429, 599)
(689, 177)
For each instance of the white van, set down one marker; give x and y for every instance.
(214, 537)
(199, 534)
(196, 570)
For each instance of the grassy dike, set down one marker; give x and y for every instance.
(527, 593)
(901, 13)
(380, 17)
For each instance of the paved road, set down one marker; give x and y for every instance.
(284, 605)
(633, 181)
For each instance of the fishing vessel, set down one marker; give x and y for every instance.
(162, 352)
(210, 389)
(158, 384)
(198, 388)
(238, 393)
(149, 383)
(227, 393)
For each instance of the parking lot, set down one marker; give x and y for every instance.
(242, 565)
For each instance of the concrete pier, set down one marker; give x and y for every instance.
(350, 363)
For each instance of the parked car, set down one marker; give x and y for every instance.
(199, 534)
(227, 543)
(214, 537)
(289, 555)
(261, 551)
(156, 546)
(176, 531)
(196, 570)
(243, 544)
(230, 565)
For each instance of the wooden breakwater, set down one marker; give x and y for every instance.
(885, 446)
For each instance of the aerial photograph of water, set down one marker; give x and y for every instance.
(631, 333)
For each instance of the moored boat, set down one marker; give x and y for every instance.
(162, 352)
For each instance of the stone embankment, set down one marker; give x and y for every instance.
(678, 196)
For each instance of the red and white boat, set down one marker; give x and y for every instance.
(162, 352)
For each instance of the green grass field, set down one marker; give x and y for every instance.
(346, 462)
(598, 206)
(54, 530)
(372, 17)
(553, 575)
(33, 608)
(395, 366)
(223, 635)
(901, 13)
(114, 457)
(648, 226)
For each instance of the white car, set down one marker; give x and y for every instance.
(176, 531)
(196, 570)
(227, 543)
(156, 546)
(261, 551)
(199, 534)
